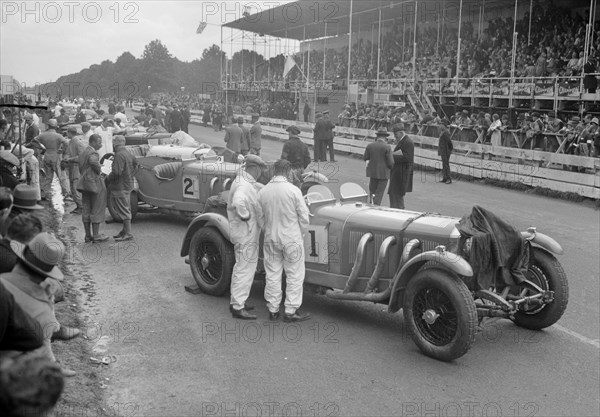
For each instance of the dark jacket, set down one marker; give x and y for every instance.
(445, 146)
(295, 151)
(401, 177)
(379, 155)
(18, 331)
(323, 130)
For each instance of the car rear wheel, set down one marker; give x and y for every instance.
(546, 272)
(440, 314)
(211, 260)
(110, 204)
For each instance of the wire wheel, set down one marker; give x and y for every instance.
(211, 261)
(435, 316)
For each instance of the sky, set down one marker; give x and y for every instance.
(43, 40)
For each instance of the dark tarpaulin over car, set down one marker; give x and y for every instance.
(499, 254)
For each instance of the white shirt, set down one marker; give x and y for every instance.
(107, 135)
(36, 119)
(57, 110)
(243, 210)
(285, 212)
(121, 116)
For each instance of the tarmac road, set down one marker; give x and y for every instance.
(180, 354)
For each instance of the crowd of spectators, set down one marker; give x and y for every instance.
(554, 48)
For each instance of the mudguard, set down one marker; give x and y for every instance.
(444, 260)
(544, 241)
(207, 219)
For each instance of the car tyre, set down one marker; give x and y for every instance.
(211, 259)
(546, 272)
(110, 204)
(440, 314)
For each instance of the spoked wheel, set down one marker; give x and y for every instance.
(546, 272)
(440, 313)
(211, 260)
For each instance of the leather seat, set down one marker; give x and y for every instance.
(167, 171)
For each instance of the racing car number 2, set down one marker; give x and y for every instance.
(190, 187)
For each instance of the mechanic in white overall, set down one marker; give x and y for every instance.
(245, 224)
(286, 223)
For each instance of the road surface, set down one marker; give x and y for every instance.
(180, 354)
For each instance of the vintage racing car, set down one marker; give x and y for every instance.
(418, 262)
(180, 179)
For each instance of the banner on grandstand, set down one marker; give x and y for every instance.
(289, 64)
(523, 89)
(569, 88)
(394, 103)
(544, 88)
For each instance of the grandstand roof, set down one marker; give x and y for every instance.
(291, 20)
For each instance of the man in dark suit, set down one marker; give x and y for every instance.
(401, 177)
(328, 144)
(445, 148)
(234, 136)
(306, 111)
(296, 151)
(378, 156)
(322, 132)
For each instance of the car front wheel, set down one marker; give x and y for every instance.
(440, 314)
(211, 260)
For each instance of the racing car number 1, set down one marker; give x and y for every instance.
(190, 187)
(316, 248)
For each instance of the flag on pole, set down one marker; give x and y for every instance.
(289, 64)
(201, 27)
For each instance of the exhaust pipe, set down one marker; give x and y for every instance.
(358, 260)
(381, 260)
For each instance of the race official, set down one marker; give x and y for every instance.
(53, 142)
(401, 177)
(296, 152)
(255, 135)
(286, 222)
(234, 136)
(379, 160)
(74, 149)
(121, 179)
(245, 222)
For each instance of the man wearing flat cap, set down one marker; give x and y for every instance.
(121, 180)
(234, 136)
(245, 223)
(379, 160)
(296, 151)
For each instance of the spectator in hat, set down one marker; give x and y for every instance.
(401, 177)
(62, 119)
(175, 119)
(25, 200)
(255, 135)
(7, 164)
(379, 161)
(296, 152)
(93, 191)
(32, 130)
(53, 142)
(328, 143)
(445, 148)
(37, 261)
(234, 137)
(31, 173)
(74, 150)
(122, 180)
(321, 133)
(245, 223)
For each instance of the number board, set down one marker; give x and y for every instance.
(190, 187)
(315, 244)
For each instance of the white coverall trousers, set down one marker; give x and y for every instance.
(280, 257)
(246, 259)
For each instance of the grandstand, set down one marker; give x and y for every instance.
(512, 56)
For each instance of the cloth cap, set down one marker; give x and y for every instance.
(240, 119)
(254, 160)
(25, 197)
(326, 112)
(595, 120)
(72, 129)
(52, 123)
(294, 130)
(255, 115)
(28, 116)
(398, 127)
(86, 124)
(42, 254)
(318, 115)
(118, 140)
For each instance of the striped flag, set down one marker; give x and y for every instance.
(201, 27)
(289, 64)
